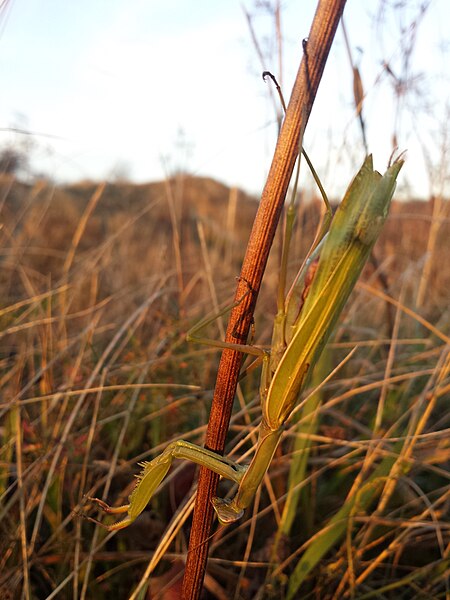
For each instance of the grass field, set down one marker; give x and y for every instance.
(99, 284)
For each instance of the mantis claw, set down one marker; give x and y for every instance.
(111, 510)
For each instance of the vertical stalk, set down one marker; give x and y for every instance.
(316, 51)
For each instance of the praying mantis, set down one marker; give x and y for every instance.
(302, 327)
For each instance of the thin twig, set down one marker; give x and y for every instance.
(304, 91)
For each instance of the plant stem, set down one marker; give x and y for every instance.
(316, 51)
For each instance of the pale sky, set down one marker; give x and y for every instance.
(112, 84)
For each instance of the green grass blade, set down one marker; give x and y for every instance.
(337, 525)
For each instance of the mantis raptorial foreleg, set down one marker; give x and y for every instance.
(338, 262)
(153, 473)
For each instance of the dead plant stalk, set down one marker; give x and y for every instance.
(316, 50)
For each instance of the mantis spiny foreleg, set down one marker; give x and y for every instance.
(154, 471)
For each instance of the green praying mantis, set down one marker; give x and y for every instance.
(304, 323)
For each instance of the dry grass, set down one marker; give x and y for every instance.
(99, 285)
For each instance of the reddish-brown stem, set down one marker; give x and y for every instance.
(315, 54)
